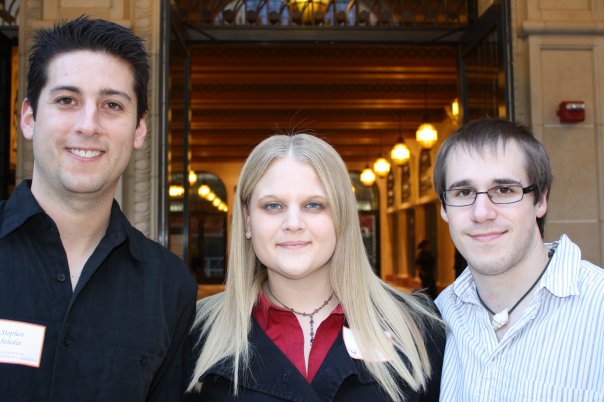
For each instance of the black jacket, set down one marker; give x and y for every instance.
(340, 378)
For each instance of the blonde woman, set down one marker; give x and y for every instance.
(303, 317)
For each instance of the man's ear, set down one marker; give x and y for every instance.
(27, 120)
(443, 212)
(140, 133)
(541, 206)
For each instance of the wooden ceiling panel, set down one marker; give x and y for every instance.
(355, 96)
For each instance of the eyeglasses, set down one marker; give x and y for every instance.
(504, 194)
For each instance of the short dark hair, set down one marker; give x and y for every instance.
(483, 134)
(83, 33)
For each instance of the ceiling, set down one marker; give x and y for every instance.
(359, 97)
(360, 88)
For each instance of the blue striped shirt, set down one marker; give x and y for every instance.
(554, 352)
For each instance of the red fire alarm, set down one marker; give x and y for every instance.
(571, 111)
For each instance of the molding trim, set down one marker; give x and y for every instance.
(532, 27)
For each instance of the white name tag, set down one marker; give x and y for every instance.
(21, 343)
(353, 348)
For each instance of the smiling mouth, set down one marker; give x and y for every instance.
(486, 236)
(293, 244)
(85, 153)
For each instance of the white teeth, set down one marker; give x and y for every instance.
(85, 153)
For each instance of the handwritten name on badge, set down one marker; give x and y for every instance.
(21, 343)
(353, 348)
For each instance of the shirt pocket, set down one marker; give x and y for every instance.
(545, 392)
(128, 375)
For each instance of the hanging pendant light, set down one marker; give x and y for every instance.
(426, 135)
(176, 191)
(367, 176)
(204, 190)
(381, 166)
(400, 153)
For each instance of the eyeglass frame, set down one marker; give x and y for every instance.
(525, 190)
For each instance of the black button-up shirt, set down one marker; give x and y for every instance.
(118, 336)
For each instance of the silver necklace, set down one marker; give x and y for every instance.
(302, 313)
(501, 318)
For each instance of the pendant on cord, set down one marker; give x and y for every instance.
(500, 319)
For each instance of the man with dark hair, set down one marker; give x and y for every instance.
(525, 320)
(90, 309)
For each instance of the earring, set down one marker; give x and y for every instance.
(248, 235)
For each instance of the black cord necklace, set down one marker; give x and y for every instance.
(302, 313)
(503, 317)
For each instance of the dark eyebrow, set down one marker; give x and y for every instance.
(460, 183)
(66, 88)
(507, 181)
(468, 183)
(109, 91)
(102, 92)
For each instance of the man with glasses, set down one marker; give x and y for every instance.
(526, 320)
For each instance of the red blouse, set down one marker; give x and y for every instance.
(283, 328)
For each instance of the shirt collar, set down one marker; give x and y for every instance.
(19, 208)
(120, 229)
(464, 286)
(22, 206)
(562, 275)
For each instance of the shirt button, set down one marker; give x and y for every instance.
(61, 277)
(143, 361)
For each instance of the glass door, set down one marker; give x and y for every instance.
(485, 66)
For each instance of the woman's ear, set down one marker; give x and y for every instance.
(246, 217)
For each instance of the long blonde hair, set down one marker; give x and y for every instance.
(381, 323)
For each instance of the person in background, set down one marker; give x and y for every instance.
(303, 316)
(459, 263)
(90, 309)
(526, 319)
(427, 266)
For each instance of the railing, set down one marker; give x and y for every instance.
(328, 13)
(8, 12)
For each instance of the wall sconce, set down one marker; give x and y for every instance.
(381, 166)
(453, 111)
(400, 153)
(367, 176)
(192, 177)
(455, 108)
